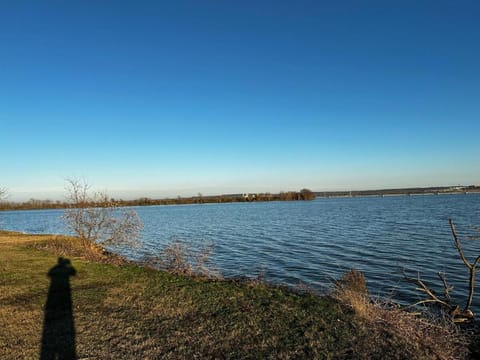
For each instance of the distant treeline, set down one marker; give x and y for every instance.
(404, 191)
(304, 194)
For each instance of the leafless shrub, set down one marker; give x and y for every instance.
(97, 221)
(185, 257)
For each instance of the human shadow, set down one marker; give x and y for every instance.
(58, 337)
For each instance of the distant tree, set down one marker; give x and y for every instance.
(287, 196)
(97, 221)
(306, 194)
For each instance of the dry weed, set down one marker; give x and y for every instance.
(186, 258)
(436, 338)
(72, 246)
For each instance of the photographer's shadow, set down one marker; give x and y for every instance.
(58, 337)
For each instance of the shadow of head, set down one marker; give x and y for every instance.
(62, 270)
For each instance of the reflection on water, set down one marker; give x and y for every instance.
(312, 242)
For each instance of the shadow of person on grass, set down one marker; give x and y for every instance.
(58, 337)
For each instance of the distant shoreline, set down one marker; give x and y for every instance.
(302, 195)
(444, 190)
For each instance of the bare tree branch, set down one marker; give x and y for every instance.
(471, 266)
(432, 297)
(457, 244)
(446, 288)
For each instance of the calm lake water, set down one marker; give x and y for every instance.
(312, 243)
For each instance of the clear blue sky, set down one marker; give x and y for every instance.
(152, 98)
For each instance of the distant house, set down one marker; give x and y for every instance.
(249, 197)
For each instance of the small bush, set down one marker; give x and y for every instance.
(186, 258)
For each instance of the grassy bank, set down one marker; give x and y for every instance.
(129, 312)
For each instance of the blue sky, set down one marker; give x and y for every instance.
(152, 98)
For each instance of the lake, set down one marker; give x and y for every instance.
(311, 243)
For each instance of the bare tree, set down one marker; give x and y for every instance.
(472, 267)
(97, 221)
(445, 300)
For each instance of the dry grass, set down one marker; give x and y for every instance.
(15, 238)
(68, 246)
(436, 338)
